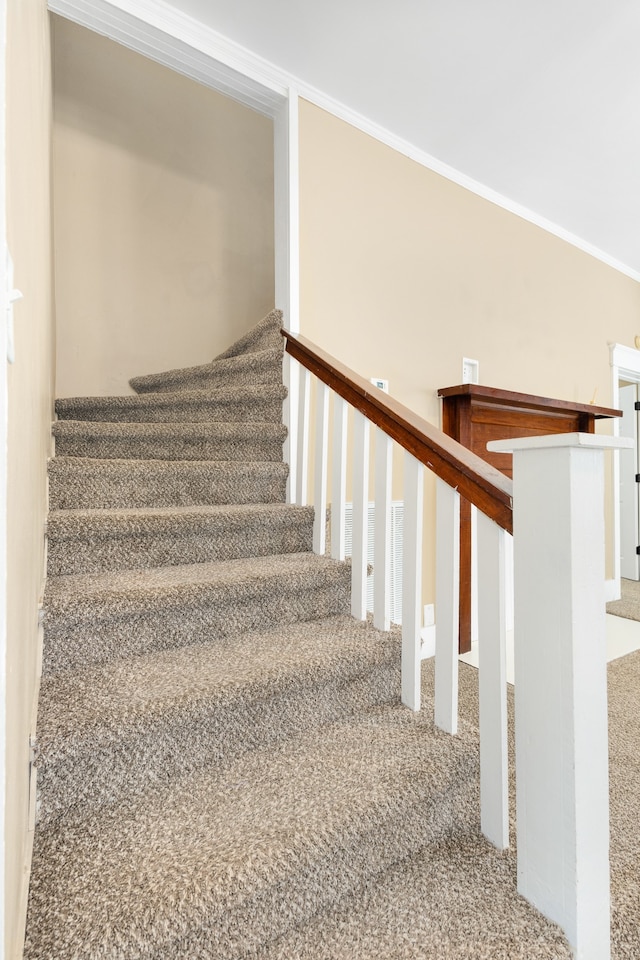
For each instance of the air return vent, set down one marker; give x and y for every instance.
(397, 508)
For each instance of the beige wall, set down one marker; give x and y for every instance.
(163, 195)
(403, 273)
(30, 388)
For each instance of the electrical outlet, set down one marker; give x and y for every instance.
(428, 642)
(470, 371)
(429, 615)
(380, 384)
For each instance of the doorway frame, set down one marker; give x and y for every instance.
(184, 44)
(625, 365)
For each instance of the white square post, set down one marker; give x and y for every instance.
(562, 781)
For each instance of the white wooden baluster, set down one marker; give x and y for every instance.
(562, 793)
(291, 379)
(360, 516)
(492, 639)
(320, 469)
(447, 610)
(302, 471)
(382, 533)
(338, 477)
(413, 487)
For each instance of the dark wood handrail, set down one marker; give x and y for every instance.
(480, 483)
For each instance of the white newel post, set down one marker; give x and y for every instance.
(562, 794)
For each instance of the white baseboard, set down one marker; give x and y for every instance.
(16, 949)
(611, 590)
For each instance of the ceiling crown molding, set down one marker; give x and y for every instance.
(165, 34)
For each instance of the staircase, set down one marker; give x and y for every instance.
(224, 767)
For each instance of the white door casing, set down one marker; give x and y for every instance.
(4, 287)
(629, 532)
(625, 366)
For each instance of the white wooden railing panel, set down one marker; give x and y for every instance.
(320, 468)
(560, 649)
(302, 469)
(412, 581)
(360, 516)
(447, 601)
(382, 535)
(338, 477)
(492, 636)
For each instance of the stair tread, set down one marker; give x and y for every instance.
(257, 391)
(266, 331)
(81, 541)
(93, 482)
(217, 862)
(202, 440)
(142, 467)
(75, 522)
(238, 364)
(213, 429)
(146, 585)
(97, 701)
(458, 899)
(94, 464)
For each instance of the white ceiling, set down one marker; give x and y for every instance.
(538, 101)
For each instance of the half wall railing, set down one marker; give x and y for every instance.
(555, 508)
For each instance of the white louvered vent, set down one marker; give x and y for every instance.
(397, 508)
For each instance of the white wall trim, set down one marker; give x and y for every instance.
(286, 211)
(171, 37)
(4, 302)
(245, 76)
(625, 365)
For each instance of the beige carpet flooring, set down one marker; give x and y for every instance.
(628, 606)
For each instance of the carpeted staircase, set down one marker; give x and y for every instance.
(224, 767)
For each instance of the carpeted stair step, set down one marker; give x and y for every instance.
(94, 618)
(265, 335)
(78, 483)
(265, 366)
(262, 402)
(456, 899)
(169, 441)
(108, 733)
(255, 358)
(90, 541)
(217, 863)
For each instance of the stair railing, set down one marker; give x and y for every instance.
(555, 504)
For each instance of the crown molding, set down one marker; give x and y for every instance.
(380, 133)
(170, 37)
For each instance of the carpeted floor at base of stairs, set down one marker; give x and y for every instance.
(457, 898)
(224, 767)
(628, 606)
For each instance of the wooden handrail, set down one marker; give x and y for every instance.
(477, 481)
